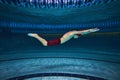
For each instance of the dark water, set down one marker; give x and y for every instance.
(96, 54)
(95, 43)
(85, 55)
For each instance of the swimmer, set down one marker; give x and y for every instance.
(67, 36)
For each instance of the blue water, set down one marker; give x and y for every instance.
(96, 49)
(103, 41)
(95, 56)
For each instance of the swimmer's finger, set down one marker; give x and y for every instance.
(94, 30)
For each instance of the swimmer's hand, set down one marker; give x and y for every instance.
(94, 30)
(32, 34)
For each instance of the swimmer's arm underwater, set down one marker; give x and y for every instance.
(67, 36)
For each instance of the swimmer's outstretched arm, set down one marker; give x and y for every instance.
(67, 36)
(83, 32)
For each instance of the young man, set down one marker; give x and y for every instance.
(67, 36)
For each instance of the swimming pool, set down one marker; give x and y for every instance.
(94, 56)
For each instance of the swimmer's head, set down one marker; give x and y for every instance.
(76, 36)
